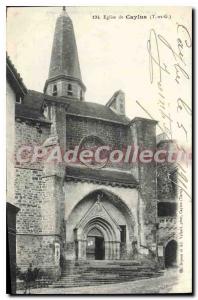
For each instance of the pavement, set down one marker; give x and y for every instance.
(167, 283)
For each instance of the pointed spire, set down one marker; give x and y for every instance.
(64, 59)
(64, 63)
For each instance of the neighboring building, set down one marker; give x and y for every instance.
(15, 91)
(74, 212)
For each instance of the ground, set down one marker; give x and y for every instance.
(166, 283)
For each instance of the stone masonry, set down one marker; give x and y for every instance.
(72, 212)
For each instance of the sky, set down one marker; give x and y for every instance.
(113, 53)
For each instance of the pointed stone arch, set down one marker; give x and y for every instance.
(98, 217)
(170, 253)
(118, 203)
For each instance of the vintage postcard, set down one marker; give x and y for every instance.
(99, 129)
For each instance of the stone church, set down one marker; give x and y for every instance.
(75, 212)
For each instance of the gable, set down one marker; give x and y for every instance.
(97, 211)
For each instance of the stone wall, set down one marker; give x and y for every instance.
(38, 250)
(10, 142)
(114, 135)
(29, 189)
(28, 134)
(167, 229)
(167, 174)
(167, 195)
(29, 184)
(37, 196)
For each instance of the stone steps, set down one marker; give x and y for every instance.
(95, 282)
(89, 273)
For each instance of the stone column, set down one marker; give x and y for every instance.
(143, 133)
(54, 173)
(110, 250)
(82, 249)
(107, 250)
(118, 250)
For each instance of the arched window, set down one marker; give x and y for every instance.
(69, 90)
(54, 93)
(81, 95)
(170, 257)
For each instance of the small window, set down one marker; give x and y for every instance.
(54, 90)
(167, 209)
(69, 90)
(18, 99)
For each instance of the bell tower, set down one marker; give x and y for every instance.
(64, 79)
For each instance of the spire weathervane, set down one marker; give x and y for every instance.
(64, 13)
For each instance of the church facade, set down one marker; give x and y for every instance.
(80, 211)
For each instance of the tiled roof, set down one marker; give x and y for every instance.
(35, 100)
(31, 107)
(95, 110)
(103, 176)
(90, 109)
(25, 112)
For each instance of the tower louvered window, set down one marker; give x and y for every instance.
(54, 90)
(69, 90)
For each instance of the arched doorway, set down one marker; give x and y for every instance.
(95, 249)
(105, 211)
(97, 235)
(171, 254)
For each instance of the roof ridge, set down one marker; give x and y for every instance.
(87, 109)
(69, 100)
(16, 74)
